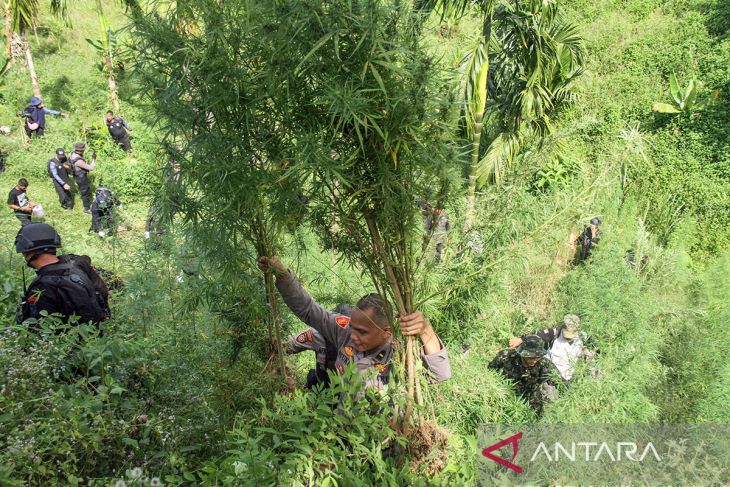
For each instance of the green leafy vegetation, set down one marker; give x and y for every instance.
(296, 123)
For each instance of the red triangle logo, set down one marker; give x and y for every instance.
(514, 440)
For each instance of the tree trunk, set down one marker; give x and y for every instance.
(112, 84)
(15, 46)
(31, 66)
(478, 104)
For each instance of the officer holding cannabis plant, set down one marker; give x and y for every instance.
(365, 339)
(534, 376)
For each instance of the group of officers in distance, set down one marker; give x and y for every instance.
(64, 170)
(537, 363)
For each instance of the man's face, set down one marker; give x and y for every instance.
(22, 188)
(109, 117)
(40, 105)
(530, 361)
(367, 335)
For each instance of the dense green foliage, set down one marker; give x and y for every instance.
(181, 389)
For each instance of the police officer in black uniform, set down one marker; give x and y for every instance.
(65, 284)
(119, 130)
(81, 170)
(59, 170)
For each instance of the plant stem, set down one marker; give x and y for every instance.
(402, 310)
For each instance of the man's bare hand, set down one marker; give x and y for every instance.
(416, 324)
(515, 342)
(274, 265)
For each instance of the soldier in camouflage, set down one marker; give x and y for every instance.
(533, 375)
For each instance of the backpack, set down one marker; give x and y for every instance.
(101, 290)
(75, 289)
(104, 198)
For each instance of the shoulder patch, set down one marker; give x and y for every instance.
(305, 337)
(348, 351)
(342, 321)
(33, 298)
(340, 369)
(382, 368)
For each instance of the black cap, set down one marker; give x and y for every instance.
(60, 152)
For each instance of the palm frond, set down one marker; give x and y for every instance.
(499, 157)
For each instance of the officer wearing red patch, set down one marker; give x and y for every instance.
(367, 334)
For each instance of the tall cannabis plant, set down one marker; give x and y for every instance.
(372, 117)
(213, 95)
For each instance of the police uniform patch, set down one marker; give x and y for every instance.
(342, 321)
(340, 369)
(305, 337)
(33, 299)
(348, 351)
(382, 368)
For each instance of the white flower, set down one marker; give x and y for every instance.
(120, 483)
(146, 234)
(136, 472)
(240, 467)
(155, 482)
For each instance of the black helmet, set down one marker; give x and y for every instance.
(37, 236)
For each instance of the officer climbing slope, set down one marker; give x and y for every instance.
(59, 170)
(589, 238)
(565, 345)
(35, 117)
(533, 376)
(66, 284)
(365, 339)
(81, 170)
(119, 130)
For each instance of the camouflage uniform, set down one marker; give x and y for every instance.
(335, 329)
(535, 384)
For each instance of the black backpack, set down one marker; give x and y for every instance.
(104, 198)
(75, 289)
(101, 290)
